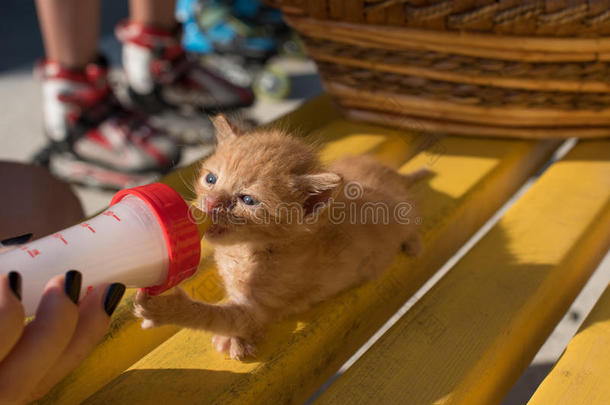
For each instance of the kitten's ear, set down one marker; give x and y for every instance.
(224, 128)
(320, 188)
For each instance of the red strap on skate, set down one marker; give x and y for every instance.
(165, 41)
(94, 102)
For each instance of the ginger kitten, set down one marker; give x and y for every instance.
(287, 233)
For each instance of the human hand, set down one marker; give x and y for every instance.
(34, 357)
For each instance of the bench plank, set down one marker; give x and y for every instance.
(472, 179)
(471, 336)
(392, 146)
(581, 374)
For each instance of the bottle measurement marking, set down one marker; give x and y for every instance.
(32, 252)
(86, 225)
(113, 215)
(61, 238)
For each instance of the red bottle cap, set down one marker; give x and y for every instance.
(181, 235)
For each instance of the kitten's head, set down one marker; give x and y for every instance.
(262, 186)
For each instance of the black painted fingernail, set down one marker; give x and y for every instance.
(113, 297)
(17, 240)
(14, 282)
(72, 285)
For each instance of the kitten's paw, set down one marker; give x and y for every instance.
(159, 310)
(241, 348)
(221, 343)
(235, 347)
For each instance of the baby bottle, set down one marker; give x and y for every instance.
(145, 238)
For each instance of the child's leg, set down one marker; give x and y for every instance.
(85, 122)
(164, 81)
(70, 30)
(156, 13)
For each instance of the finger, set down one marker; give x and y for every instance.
(10, 243)
(93, 320)
(12, 316)
(43, 340)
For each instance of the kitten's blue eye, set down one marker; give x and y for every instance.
(210, 178)
(248, 200)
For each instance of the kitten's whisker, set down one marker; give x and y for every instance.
(187, 184)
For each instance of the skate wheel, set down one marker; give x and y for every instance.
(294, 47)
(272, 83)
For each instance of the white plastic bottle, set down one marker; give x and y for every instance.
(146, 238)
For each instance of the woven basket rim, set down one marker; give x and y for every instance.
(524, 83)
(443, 127)
(561, 45)
(536, 18)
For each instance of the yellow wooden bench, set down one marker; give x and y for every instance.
(581, 374)
(467, 340)
(472, 335)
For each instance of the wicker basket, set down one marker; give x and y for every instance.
(535, 69)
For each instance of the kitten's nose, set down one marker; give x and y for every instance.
(211, 204)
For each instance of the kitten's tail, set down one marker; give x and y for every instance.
(417, 175)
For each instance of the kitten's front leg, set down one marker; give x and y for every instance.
(237, 326)
(163, 309)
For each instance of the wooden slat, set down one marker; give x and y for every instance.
(456, 76)
(309, 117)
(126, 342)
(472, 129)
(317, 8)
(470, 337)
(477, 114)
(335, 8)
(376, 16)
(354, 10)
(473, 178)
(392, 146)
(396, 14)
(581, 376)
(523, 49)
